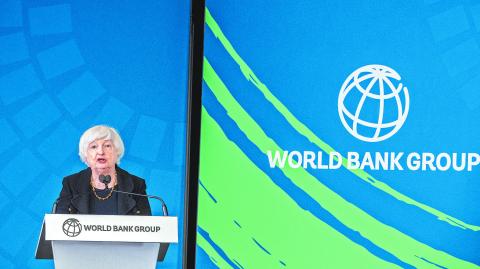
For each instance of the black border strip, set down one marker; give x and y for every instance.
(195, 77)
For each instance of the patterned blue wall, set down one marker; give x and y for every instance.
(68, 65)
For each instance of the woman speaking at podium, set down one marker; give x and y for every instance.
(92, 190)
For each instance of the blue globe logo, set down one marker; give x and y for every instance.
(373, 104)
(72, 227)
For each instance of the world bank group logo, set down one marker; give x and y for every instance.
(373, 104)
(72, 227)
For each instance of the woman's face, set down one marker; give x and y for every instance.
(101, 155)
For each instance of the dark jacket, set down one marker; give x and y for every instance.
(76, 191)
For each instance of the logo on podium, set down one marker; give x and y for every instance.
(72, 227)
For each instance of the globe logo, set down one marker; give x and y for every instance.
(373, 104)
(72, 227)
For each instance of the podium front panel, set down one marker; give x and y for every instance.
(104, 255)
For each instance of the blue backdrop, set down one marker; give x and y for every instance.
(68, 65)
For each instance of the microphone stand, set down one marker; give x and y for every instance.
(164, 206)
(106, 179)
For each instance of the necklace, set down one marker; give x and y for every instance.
(109, 194)
(102, 198)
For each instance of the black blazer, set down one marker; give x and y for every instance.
(75, 195)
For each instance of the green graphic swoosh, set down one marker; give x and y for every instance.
(388, 238)
(292, 237)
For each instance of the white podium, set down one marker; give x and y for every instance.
(99, 241)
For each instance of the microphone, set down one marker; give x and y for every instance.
(55, 204)
(107, 179)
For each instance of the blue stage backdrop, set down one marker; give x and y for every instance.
(68, 65)
(340, 134)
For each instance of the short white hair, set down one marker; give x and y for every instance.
(100, 132)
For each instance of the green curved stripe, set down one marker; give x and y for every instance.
(267, 214)
(388, 238)
(214, 256)
(306, 132)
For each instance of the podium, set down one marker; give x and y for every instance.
(101, 241)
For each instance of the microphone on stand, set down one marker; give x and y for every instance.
(107, 179)
(54, 207)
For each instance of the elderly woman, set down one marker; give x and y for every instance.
(86, 192)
